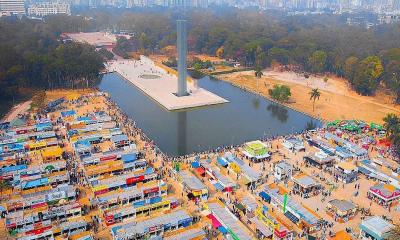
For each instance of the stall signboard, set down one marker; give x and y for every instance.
(196, 193)
(133, 180)
(151, 190)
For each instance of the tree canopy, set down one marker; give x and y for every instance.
(33, 57)
(317, 44)
(281, 93)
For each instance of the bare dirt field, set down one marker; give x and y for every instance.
(337, 100)
(16, 110)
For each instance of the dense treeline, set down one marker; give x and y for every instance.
(368, 58)
(32, 58)
(392, 127)
(32, 55)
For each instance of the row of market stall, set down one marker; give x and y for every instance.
(42, 202)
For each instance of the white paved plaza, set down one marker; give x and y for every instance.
(161, 85)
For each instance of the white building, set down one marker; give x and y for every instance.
(12, 7)
(283, 171)
(48, 8)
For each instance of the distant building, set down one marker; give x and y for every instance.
(12, 7)
(48, 8)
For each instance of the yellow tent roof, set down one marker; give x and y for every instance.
(55, 151)
(347, 166)
(73, 96)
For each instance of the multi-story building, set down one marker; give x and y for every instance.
(182, 3)
(48, 8)
(12, 7)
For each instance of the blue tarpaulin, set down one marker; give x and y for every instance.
(130, 157)
(149, 170)
(68, 113)
(195, 164)
(84, 119)
(265, 196)
(138, 204)
(291, 217)
(223, 230)
(219, 187)
(43, 126)
(222, 162)
(13, 168)
(364, 170)
(119, 138)
(4, 125)
(35, 183)
(155, 200)
(55, 103)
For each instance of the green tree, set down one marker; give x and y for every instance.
(317, 61)
(4, 184)
(392, 78)
(279, 54)
(107, 55)
(391, 75)
(280, 93)
(367, 75)
(392, 128)
(258, 72)
(350, 66)
(314, 95)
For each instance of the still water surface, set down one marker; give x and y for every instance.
(246, 117)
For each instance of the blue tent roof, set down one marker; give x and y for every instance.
(364, 170)
(149, 170)
(13, 168)
(82, 143)
(68, 113)
(195, 164)
(35, 183)
(265, 196)
(222, 162)
(41, 126)
(4, 125)
(130, 157)
(218, 186)
(84, 119)
(223, 230)
(17, 122)
(55, 102)
(119, 138)
(155, 200)
(139, 203)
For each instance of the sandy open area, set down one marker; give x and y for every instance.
(16, 110)
(93, 38)
(337, 100)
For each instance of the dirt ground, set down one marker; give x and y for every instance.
(59, 93)
(16, 110)
(337, 100)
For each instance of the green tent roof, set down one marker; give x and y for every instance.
(17, 122)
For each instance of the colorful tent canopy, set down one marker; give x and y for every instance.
(130, 157)
(52, 152)
(216, 224)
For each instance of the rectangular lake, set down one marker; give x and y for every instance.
(246, 117)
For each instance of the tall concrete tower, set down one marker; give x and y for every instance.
(182, 52)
